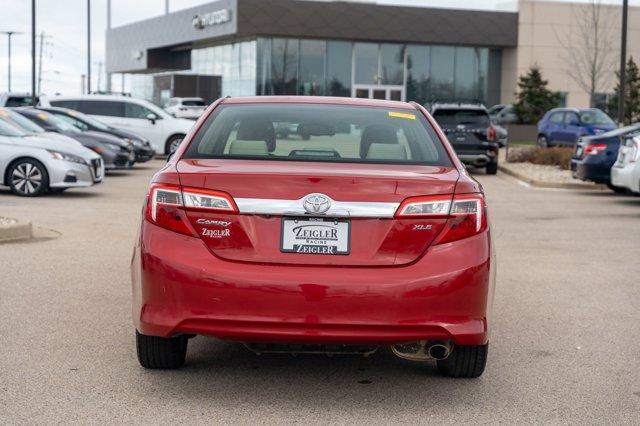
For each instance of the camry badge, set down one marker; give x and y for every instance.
(316, 203)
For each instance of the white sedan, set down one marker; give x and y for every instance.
(625, 173)
(31, 165)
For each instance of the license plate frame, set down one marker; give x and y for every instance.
(323, 241)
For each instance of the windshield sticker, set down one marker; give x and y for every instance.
(42, 117)
(404, 115)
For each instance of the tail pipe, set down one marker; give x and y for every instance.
(423, 350)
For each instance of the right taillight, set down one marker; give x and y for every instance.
(466, 214)
(635, 152)
(166, 205)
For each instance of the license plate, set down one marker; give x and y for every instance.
(315, 236)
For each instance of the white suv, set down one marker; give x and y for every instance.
(186, 107)
(164, 131)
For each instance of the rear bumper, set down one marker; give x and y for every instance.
(477, 160)
(180, 287)
(593, 170)
(626, 177)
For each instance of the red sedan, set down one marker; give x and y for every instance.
(356, 228)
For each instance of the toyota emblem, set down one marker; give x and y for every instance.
(316, 203)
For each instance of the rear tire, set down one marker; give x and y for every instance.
(161, 353)
(465, 362)
(492, 168)
(616, 189)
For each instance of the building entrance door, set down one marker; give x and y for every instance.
(391, 93)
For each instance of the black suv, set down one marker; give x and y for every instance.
(469, 129)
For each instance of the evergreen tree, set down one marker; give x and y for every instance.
(632, 95)
(534, 99)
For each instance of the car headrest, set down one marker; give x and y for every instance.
(248, 148)
(257, 130)
(384, 151)
(378, 134)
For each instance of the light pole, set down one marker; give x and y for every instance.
(33, 52)
(623, 61)
(88, 46)
(9, 34)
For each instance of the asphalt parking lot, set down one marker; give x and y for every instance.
(565, 346)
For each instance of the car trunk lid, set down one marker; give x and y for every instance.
(271, 195)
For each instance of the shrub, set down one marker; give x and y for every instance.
(560, 157)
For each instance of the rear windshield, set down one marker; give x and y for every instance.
(322, 133)
(594, 116)
(193, 102)
(19, 101)
(453, 117)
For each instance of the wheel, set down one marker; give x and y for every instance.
(616, 189)
(464, 361)
(542, 141)
(172, 144)
(160, 352)
(492, 168)
(28, 178)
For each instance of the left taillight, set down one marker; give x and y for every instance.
(167, 205)
(466, 214)
(595, 148)
(492, 134)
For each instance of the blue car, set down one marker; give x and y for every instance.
(594, 156)
(564, 126)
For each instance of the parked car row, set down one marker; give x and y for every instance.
(118, 130)
(609, 158)
(163, 131)
(602, 153)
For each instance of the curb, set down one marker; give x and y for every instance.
(14, 230)
(543, 184)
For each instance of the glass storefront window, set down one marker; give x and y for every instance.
(312, 66)
(466, 75)
(284, 66)
(280, 66)
(366, 63)
(339, 68)
(418, 83)
(392, 64)
(442, 72)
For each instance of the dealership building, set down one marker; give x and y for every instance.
(299, 47)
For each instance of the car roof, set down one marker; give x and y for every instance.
(458, 105)
(318, 100)
(54, 109)
(101, 97)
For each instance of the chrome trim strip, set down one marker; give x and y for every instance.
(295, 208)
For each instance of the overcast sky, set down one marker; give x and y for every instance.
(63, 23)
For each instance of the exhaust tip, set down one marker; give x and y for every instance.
(439, 351)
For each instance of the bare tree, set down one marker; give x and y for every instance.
(589, 53)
